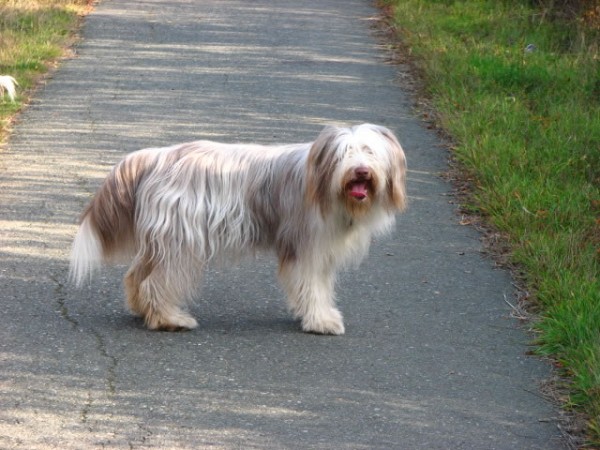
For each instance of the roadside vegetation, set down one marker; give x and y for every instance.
(33, 36)
(516, 84)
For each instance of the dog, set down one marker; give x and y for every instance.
(8, 84)
(173, 210)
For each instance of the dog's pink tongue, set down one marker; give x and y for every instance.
(359, 190)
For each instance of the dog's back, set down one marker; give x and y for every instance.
(195, 184)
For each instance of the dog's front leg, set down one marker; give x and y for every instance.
(310, 291)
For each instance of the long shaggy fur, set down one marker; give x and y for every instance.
(173, 210)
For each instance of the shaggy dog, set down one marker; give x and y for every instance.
(174, 210)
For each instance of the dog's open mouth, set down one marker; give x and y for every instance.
(358, 189)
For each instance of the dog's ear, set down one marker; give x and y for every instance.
(396, 183)
(320, 168)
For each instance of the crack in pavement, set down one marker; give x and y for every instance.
(61, 299)
(101, 347)
(111, 368)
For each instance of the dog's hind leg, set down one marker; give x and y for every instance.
(157, 297)
(310, 291)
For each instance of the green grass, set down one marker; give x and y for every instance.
(33, 34)
(527, 128)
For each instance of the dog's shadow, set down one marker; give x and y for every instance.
(220, 325)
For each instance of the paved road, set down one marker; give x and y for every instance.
(431, 358)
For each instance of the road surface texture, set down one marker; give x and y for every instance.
(431, 358)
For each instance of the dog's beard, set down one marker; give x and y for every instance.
(358, 194)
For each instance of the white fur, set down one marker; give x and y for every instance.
(88, 257)
(178, 208)
(8, 83)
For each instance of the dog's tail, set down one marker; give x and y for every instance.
(106, 229)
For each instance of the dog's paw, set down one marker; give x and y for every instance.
(329, 322)
(175, 322)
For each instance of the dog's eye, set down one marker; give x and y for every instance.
(367, 150)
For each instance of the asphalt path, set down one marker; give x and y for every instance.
(431, 358)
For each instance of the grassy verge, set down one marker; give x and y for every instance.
(519, 92)
(33, 35)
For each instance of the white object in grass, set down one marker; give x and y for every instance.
(8, 83)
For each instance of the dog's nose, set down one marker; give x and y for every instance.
(362, 172)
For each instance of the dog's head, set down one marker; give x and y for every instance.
(360, 167)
